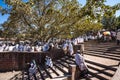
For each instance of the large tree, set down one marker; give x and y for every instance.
(110, 22)
(45, 19)
(118, 22)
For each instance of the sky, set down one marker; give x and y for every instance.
(3, 18)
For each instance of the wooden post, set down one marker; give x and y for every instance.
(72, 71)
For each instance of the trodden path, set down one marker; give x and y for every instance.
(102, 60)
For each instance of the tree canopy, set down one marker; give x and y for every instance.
(45, 19)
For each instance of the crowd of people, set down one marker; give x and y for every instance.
(65, 44)
(27, 46)
(21, 46)
(107, 36)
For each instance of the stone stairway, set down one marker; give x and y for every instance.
(102, 60)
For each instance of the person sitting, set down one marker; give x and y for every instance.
(49, 62)
(81, 64)
(16, 48)
(1, 48)
(21, 47)
(65, 48)
(11, 47)
(32, 69)
(7, 47)
(46, 47)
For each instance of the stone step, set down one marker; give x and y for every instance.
(94, 78)
(41, 74)
(101, 65)
(62, 69)
(103, 56)
(104, 51)
(101, 69)
(95, 74)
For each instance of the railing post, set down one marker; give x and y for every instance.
(72, 71)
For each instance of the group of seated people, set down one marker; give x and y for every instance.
(79, 60)
(39, 46)
(67, 44)
(25, 47)
(8, 47)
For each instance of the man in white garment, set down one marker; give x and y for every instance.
(118, 37)
(81, 64)
(70, 48)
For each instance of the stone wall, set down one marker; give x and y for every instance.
(18, 60)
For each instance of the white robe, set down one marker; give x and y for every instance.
(71, 48)
(75, 42)
(1, 49)
(46, 47)
(11, 48)
(49, 62)
(80, 61)
(118, 35)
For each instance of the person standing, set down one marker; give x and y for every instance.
(70, 48)
(81, 43)
(81, 64)
(118, 37)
